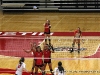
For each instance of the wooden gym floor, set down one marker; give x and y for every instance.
(61, 22)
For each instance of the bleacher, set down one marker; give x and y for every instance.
(51, 5)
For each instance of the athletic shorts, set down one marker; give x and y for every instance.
(39, 65)
(47, 32)
(47, 61)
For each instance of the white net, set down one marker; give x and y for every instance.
(11, 48)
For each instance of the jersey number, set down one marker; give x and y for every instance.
(19, 66)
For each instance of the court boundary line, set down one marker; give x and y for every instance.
(8, 20)
(95, 51)
(74, 58)
(2, 17)
(42, 37)
(59, 21)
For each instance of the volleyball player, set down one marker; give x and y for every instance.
(59, 70)
(47, 27)
(20, 67)
(77, 35)
(29, 51)
(38, 54)
(47, 57)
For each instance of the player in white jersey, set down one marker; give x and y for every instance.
(59, 70)
(20, 67)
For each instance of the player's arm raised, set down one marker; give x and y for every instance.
(52, 49)
(33, 47)
(27, 51)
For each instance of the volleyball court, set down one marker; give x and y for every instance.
(11, 48)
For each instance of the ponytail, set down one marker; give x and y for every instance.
(60, 68)
(21, 60)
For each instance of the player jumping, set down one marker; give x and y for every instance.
(38, 54)
(33, 45)
(47, 55)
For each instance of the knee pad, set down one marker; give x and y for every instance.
(43, 72)
(32, 68)
(78, 44)
(45, 40)
(49, 39)
(51, 70)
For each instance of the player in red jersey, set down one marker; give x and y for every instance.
(37, 58)
(47, 56)
(38, 54)
(77, 35)
(29, 51)
(47, 27)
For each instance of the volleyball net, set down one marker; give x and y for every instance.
(11, 49)
(13, 46)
